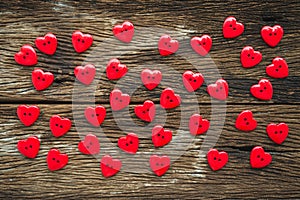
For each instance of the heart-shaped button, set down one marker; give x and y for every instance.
(81, 42)
(28, 114)
(150, 78)
(146, 111)
(278, 68)
(56, 160)
(85, 74)
(232, 28)
(198, 125)
(90, 145)
(47, 44)
(110, 166)
(167, 45)
(118, 100)
(26, 56)
(278, 132)
(272, 35)
(249, 57)
(129, 143)
(201, 45)
(217, 160)
(245, 121)
(218, 90)
(29, 147)
(192, 81)
(59, 126)
(168, 99)
(115, 70)
(124, 32)
(95, 116)
(159, 164)
(263, 90)
(160, 136)
(258, 158)
(41, 80)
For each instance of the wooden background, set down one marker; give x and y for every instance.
(189, 176)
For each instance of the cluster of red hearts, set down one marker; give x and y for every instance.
(168, 100)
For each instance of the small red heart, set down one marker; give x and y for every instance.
(232, 28)
(217, 160)
(115, 70)
(160, 136)
(56, 160)
(146, 111)
(47, 44)
(26, 56)
(167, 46)
(192, 81)
(124, 32)
(110, 166)
(168, 99)
(95, 116)
(85, 74)
(278, 132)
(278, 68)
(245, 121)
(198, 125)
(29, 147)
(129, 143)
(41, 80)
(118, 100)
(28, 114)
(59, 126)
(150, 78)
(263, 90)
(218, 90)
(258, 158)
(201, 45)
(272, 35)
(90, 145)
(249, 57)
(159, 164)
(81, 42)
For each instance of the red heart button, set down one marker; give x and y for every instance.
(56, 160)
(81, 42)
(28, 114)
(232, 28)
(278, 132)
(160, 136)
(272, 35)
(245, 121)
(167, 46)
(150, 78)
(263, 90)
(129, 143)
(124, 32)
(85, 74)
(249, 57)
(258, 158)
(118, 100)
(47, 44)
(26, 56)
(110, 166)
(95, 116)
(90, 145)
(41, 80)
(278, 68)
(201, 45)
(59, 126)
(218, 90)
(192, 81)
(146, 111)
(29, 147)
(159, 164)
(217, 160)
(115, 70)
(198, 125)
(168, 99)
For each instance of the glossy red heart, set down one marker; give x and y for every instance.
(47, 44)
(272, 35)
(85, 74)
(110, 166)
(159, 164)
(29, 147)
(218, 90)
(118, 100)
(192, 81)
(150, 78)
(26, 56)
(90, 145)
(198, 125)
(278, 68)
(41, 80)
(160, 136)
(201, 45)
(258, 158)
(115, 70)
(129, 143)
(124, 32)
(232, 28)
(59, 126)
(245, 121)
(81, 42)
(217, 160)
(168, 99)
(28, 114)
(263, 90)
(249, 58)
(95, 116)
(146, 111)
(56, 160)
(278, 132)
(167, 46)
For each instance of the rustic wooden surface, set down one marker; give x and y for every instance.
(189, 176)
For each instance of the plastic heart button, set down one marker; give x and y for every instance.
(192, 81)
(217, 160)
(201, 45)
(146, 111)
(232, 28)
(47, 44)
(168, 99)
(115, 70)
(26, 56)
(85, 74)
(167, 46)
(129, 143)
(124, 32)
(28, 114)
(151, 79)
(81, 42)
(110, 166)
(249, 57)
(278, 132)
(29, 147)
(263, 90)
(41, 80)
(245, 121)
(118, 100)
(90, 145)
(160, 136)
(278, 68)
(218, 90)
(95, 116)
(258, 158)
(159, 164)
(198, 125)
(272, 35)
(56, 160)
(59, 126)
